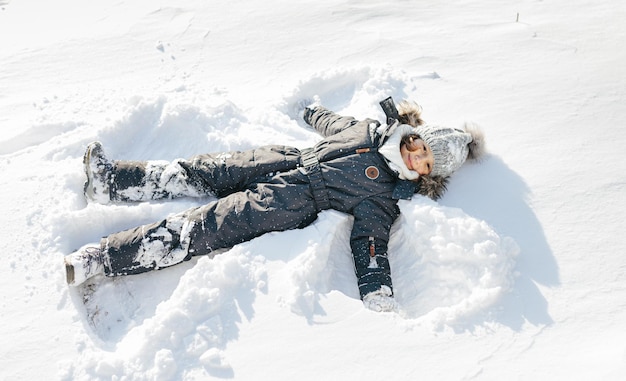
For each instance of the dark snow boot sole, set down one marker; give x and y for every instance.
(69, 272)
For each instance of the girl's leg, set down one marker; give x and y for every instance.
(239, 217)
(134, 180)
(209, 174)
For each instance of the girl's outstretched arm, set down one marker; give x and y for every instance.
(373, 218)
(327, 122)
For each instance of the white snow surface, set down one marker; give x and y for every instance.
(517, 273)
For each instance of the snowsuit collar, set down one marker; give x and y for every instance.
(390, 149)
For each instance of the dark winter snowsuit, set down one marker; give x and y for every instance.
(271, 188)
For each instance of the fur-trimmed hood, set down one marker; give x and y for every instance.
(433, 187)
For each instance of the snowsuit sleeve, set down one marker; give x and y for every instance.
(327, 122)
(373, 214)
(373, 218)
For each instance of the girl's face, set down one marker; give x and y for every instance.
(418, 157)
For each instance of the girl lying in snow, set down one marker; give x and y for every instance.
(360, 167)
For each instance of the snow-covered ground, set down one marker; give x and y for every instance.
(518, 272)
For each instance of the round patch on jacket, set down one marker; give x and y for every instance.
(372, 172)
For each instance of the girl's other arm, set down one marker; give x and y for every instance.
(325, 121)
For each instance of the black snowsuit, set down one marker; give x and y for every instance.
(272, 188)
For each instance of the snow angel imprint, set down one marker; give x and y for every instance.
(360, 167)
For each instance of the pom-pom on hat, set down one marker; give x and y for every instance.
(452, 146)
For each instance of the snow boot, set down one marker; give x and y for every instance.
(83, 264)
(98, 170)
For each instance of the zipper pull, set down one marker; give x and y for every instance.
(372, 247)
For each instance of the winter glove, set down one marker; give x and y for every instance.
(380, 300)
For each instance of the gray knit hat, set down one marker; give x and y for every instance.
(451, 146)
